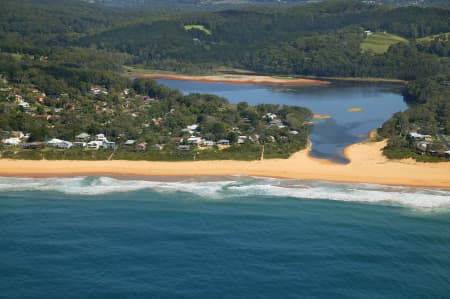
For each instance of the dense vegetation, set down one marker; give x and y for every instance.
(66, 99)
(429, 114)
(320, 40)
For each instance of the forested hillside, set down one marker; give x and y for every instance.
(320, 40)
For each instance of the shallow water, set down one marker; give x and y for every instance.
(231, 237)
(328, 136)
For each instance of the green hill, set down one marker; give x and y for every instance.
(380, 42)
(441, 36)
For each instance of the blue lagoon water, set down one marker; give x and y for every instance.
(230, 237)
(328, 136)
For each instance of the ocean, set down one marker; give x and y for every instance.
(227, 237)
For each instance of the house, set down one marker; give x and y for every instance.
(184, 147)
(80, 144)
(141, 147)
(368, 32)
(95, 145)
(242, 139)
(190, 129)
(55, 142)
(278, 123)
(130, 142)
(100, 137)
(293, 132)
(207, 143)
(33, 145)
(65, 145)
(271, 116)
(82, 137)
(98, 90)
(418, 137)
(17, 134)
(223, 142)
(422, 147)
(109, 145)
(25, 105)
(11, 141)
(194, 140)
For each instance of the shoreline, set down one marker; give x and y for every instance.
(367, 165)
(248, 77)
(235, 79)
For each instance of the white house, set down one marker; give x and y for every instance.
(417, 136)
(65, 145)
(190, 129)
(208, 143)
(242, 139)
(100, 137)
(55, 142)
(11, 141)
(271, 116)
(25, 105)
(109, 145)
(94, 144)
(223, 142)
(130, 142)
(194, 140)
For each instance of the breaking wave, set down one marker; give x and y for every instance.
(232, 187)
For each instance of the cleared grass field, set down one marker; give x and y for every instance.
(197, 27)
(380, 42)
(429, 38)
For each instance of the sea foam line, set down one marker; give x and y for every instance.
(232, 187)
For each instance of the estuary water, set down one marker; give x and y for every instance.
(230, 237)
(376, 102)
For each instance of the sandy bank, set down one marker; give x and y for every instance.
(367, 166)
(243, 79)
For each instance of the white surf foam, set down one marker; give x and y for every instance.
(239, 187)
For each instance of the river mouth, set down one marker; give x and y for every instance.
(345, 112)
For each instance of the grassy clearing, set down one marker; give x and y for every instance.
(380, 42)
(197, 27)
(429, 38)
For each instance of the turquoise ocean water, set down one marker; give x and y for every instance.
(230, 237)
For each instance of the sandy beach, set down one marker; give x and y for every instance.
(367, 165)
(235, 79)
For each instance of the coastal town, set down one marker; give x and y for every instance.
(138, 119)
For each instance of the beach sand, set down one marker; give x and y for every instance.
(243, 79)
(367, 165)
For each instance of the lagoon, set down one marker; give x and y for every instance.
(377, 102)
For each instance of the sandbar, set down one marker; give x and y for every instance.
(367, 165)
(236, 79)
